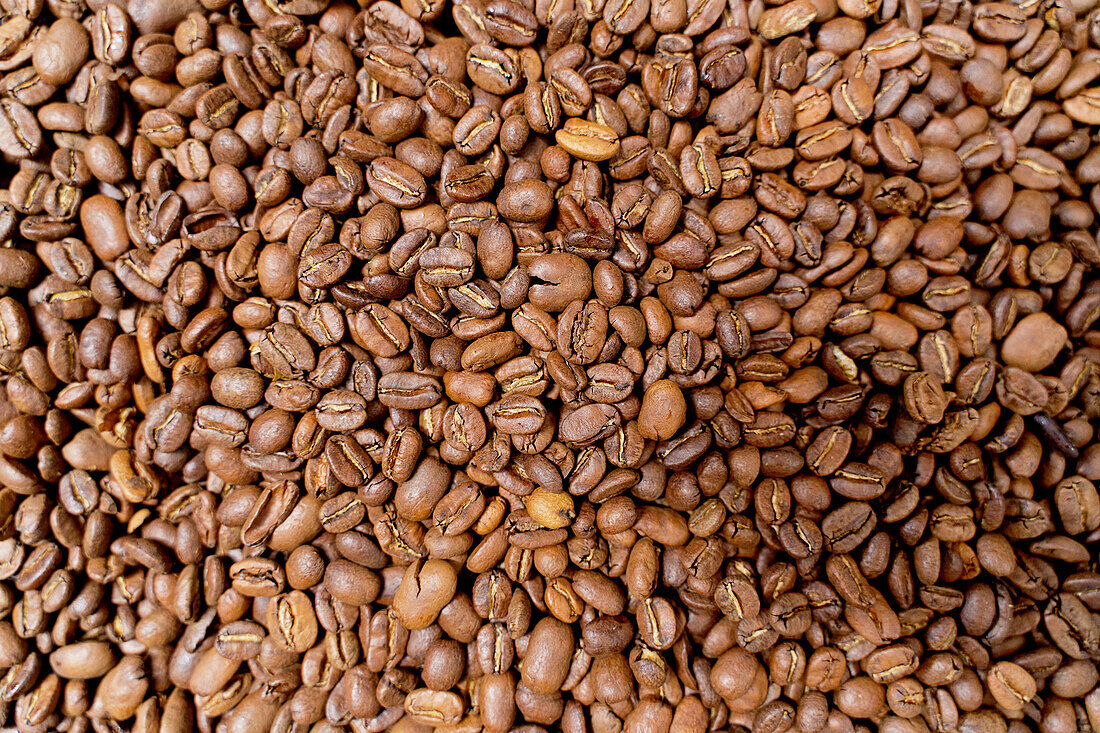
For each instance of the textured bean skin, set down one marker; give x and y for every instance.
(614, 366)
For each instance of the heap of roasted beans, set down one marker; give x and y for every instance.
(569, 365)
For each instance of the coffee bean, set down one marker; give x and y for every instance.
(1034, 342)
(291, 622)
(82, 660)
(425, 589)
(591, 141)
(548, 656)
(1010, 685)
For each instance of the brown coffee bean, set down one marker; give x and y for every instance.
(1010, 685)
(548, 655)
(426, 587)
(82, 660)
(291, 622)
(586, 140)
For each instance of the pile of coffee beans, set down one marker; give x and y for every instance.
(549, 365)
